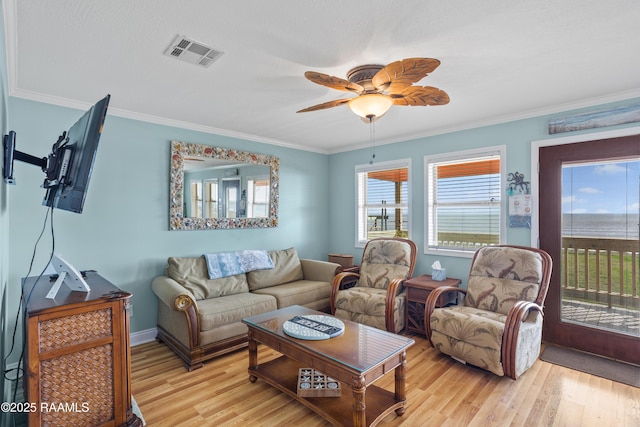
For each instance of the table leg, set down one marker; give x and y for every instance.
(253, 356)
(358, 388)
(400, 375)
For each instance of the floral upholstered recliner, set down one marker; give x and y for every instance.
(378, 298)
(499, 325)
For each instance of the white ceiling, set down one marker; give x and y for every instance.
(501, 60)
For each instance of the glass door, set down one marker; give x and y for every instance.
(231, 197)
(600, 245)
(589, 223)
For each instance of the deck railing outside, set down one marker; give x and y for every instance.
(597, 270)
(600, 270)
(600, 278)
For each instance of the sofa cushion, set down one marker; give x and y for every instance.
(286, 269)
(192, 273)
(300, 292)
(225, 310)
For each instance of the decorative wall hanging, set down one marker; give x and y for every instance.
(517, 183)
(596, 119)
(520, 203)
(227, 166)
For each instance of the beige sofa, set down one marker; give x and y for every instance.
(201, 318)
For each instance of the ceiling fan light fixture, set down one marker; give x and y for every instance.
(371, 105)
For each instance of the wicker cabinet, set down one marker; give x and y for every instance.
(77, 355)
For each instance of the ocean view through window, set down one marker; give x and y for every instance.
(382, 202)
(601, 199)
(608, 225)
(464, 203)
(601, 246)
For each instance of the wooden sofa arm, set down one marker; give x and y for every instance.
(430, 305)
(518, 314)
(172, 293)
(176, 297)
(322, 271)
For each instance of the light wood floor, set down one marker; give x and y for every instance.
(440, 392)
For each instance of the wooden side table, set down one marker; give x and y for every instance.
(350, 282)
(418, 289)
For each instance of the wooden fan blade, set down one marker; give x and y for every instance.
(333, 82)
(405, 72)
(420, 96)
(325, 105)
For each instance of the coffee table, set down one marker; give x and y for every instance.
(356, 358)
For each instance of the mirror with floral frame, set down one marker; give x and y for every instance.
(229, 163)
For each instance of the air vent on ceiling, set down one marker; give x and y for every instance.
(191, 51)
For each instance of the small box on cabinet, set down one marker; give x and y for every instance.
(439, 275)
(344, 260)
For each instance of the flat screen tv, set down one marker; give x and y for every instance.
(69, 165)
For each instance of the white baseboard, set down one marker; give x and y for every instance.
(142, 337)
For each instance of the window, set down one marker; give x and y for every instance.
(204, 198)
(464, 200)
(382, 208)
(258, 197)
(196, 199)
(211, 198)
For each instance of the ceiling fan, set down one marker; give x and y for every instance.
(379, 87)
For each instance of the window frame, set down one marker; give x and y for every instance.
(200, 200)
(250, 201)
(196, 197)
(380, 166)
(460, 156)
(209, 202)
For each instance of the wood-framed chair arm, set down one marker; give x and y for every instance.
(353, 269)
(390, 302)
(518, 314)
(335, 287)
(432, 301)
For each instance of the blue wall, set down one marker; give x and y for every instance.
(123, 231)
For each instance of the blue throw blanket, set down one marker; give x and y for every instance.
(225, 264)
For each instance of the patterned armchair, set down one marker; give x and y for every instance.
(498, 327)
(378, 298)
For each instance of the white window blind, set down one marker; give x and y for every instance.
(463, 202)
(211, 198)
(258, 203)
(204, 199)
(382, 201)
(196, 199)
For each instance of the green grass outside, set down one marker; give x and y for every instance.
(616, 272)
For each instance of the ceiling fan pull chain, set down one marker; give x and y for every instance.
(373, 138)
